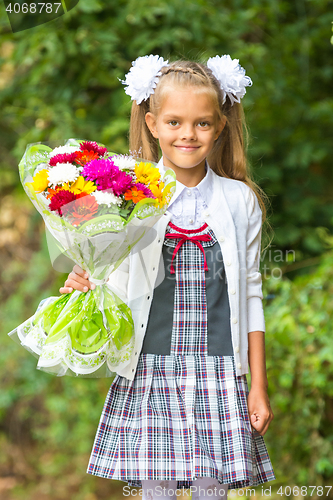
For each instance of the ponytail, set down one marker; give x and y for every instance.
(141, 142)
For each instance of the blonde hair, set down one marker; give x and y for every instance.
(228, 156)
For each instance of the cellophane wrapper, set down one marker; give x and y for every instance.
(87, 334)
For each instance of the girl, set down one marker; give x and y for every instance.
(181, 414)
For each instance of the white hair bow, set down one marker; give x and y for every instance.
(142, 78)
(231, 76)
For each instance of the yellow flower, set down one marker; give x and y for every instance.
(40, 180)
(80, 186)
(162, 195)
(146, 173)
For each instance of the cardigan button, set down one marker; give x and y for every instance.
(236, 349)
(234, 320)
(239, 365)
(221, 238)
(228, 263)
(206, 214)
(233, 291)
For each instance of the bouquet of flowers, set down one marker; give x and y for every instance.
(97, 205)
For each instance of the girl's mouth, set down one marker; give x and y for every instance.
(187, 149)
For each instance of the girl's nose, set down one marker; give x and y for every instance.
(188, 133)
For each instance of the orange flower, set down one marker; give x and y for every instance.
(134, 194)
(82, 209)
(85, 156)
(52, 192)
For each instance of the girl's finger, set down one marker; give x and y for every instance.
(77, 270)
(267, 422)
(73, 277)
(65, 289)
(78, 283)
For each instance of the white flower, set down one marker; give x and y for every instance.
(231, 77)
(124, 162)
(62, 150)
(107, 198)
(142, 78)
(62, 173)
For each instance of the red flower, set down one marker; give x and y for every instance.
(60, 199)
(64, 158)
(93, 146)
(83, 209)
(52, 192)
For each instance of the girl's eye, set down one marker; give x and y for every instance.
(203, 124)
(173, 123)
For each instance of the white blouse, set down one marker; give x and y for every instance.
(189, 204)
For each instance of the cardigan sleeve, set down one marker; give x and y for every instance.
(255, 313)
(118, 280)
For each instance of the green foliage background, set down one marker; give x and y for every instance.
(60, 80)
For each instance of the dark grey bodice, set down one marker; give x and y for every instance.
(213, 316)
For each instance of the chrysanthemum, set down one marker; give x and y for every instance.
(63, 158)
(124, 162)
(146, 191)
(107, 198)
(63, 150)
(147, 173)
(99, 168)
(41, 180)
(62, 173)
(61, 198)
(118, 183)
(93, 146)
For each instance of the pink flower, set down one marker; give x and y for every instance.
(145, 189)
(100, 168)
(119, 182)
(93, 146)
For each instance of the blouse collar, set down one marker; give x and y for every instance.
(205, 186)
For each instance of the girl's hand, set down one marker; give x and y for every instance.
(260, 411)
(78, 280)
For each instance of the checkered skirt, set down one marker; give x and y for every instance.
(185, 414)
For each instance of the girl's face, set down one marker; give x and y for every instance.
(187, 126)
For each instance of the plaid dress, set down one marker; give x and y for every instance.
(185, 414)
